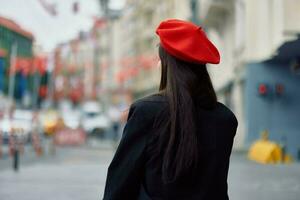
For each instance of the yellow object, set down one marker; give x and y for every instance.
(49, 127)
(266, 152)
(49, 122)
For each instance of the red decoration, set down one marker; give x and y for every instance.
(43, 91)
(29, 65)
(76, 95)
(279, 89)
(120, 77)
(187, 41)
(99, 22)
(20, 64)
(262, 89)
(133, 71)
(39, 64)
(147, 61)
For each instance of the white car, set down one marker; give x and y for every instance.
(5, 128)
(93, 119)
(71, 118)
(23, 119)
(20, 123)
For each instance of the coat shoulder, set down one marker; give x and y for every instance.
(151, 104)
(227, 114)
(154, 98)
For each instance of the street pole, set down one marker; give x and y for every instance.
(50, 83)
(11, 88)
(194, 5)
(36, 90)
(105, 13)
(11, 84)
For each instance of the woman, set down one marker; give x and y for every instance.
(176, 143)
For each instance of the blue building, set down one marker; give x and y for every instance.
(273, 98)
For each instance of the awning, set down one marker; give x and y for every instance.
(288, 52)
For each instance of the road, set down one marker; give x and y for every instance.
(79, 174)
(72, 174)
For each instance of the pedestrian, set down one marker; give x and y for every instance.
(176, 143)
(115, 117)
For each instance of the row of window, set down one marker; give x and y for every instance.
(8, 37)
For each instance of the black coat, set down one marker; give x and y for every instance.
(134, 174)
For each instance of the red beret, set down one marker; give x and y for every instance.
(187, 41)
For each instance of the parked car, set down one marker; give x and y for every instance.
(71, 118)
(5, 128)
(22, 119)
(94, 121)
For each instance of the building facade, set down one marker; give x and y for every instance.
(257, 76)
(19, 42)
(128, 48)
(138, 52)
(75, 70)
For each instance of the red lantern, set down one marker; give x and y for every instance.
(262, 89)
(43, 91)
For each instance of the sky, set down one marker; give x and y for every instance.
(52, 30)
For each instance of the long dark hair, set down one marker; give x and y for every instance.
(183, 84)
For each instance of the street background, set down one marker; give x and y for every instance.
(70, 69)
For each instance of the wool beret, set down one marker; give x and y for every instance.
(187, 41)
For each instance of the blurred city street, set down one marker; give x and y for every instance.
(79, 174)
(69, 71)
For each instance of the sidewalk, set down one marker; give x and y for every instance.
(248, 180)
